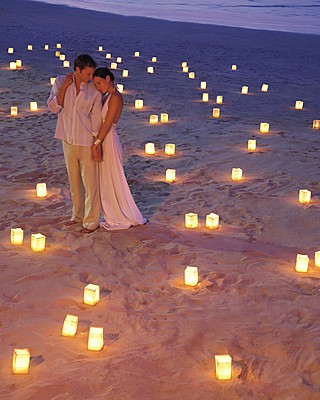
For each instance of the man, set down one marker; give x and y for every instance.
(78, 105)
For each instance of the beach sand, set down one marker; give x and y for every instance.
(161, 336)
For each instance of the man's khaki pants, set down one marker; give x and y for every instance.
(83, 179)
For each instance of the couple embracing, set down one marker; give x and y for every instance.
(89, 106)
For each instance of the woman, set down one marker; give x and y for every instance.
(117, 205)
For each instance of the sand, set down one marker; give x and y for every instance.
(161, 336)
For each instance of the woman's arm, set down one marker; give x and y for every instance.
(114, 108)
(66, 83)
(52, 101)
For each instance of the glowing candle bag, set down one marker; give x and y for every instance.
(317, 258)
(20, 361)
(302, 263)
(14, 111)
(164, 118)
(252, 144)
(223, 366)
(70, 325)
(170, 175)
(170, 149)
(138, 104)
(153, 119)
(38, 242)
(16, 236)
(299, 105)
(41, 190)
(316, 124)
(236, 174)
(33, 106)
(95, 340)
(264, 127)
(216, 113)
(304, 196)
(149, 148)
(191, 220)
(191, 276)
(91, 295)
(244, 90)
(120, 87)
(212, 221)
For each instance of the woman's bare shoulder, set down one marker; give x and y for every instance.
(116, 98)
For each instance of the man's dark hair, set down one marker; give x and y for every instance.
(83, 61)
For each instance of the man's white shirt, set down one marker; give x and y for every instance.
(79, 119)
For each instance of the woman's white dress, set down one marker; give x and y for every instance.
(118, 207)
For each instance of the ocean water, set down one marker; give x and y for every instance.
(300, 16)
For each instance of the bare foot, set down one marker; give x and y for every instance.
(86, 230)
(71, 222)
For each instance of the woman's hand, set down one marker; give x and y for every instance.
(97, 152)
(68, 79)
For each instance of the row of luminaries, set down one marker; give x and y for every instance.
(153, 119)
(13, 65)
(164, 117)
(212, 222)
(191, 222)
(125, 72)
